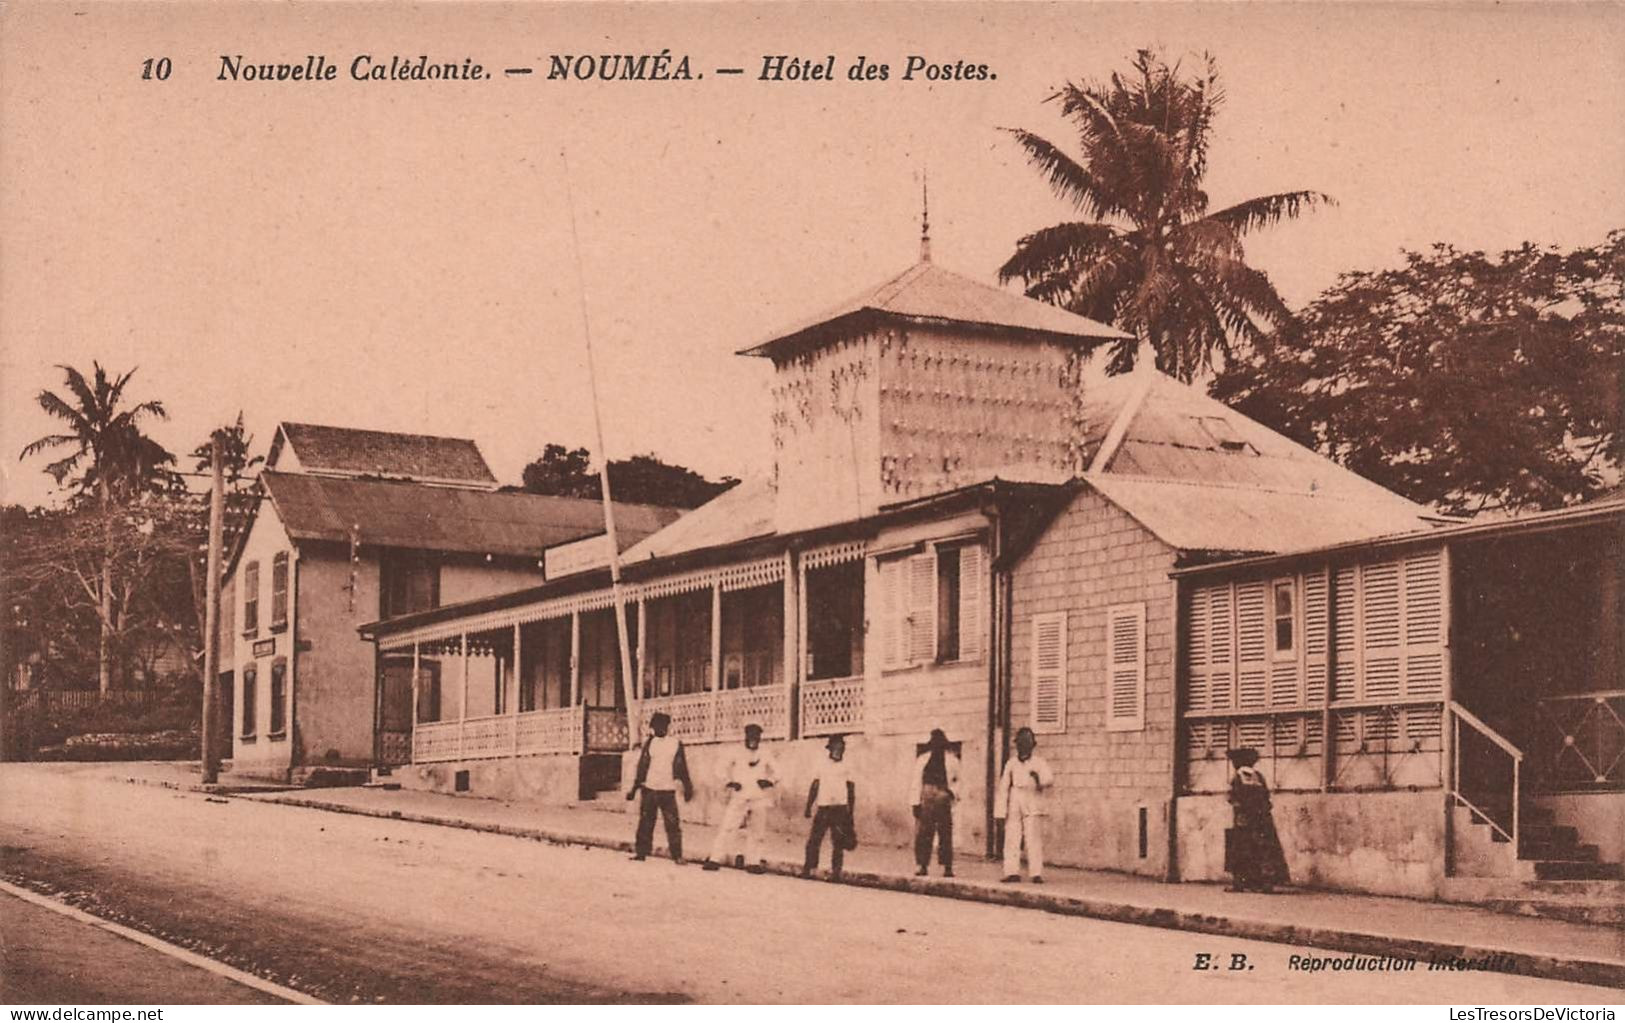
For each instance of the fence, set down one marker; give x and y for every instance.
(84, 699)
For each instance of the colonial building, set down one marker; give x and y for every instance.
(968, 526)
(353, 525)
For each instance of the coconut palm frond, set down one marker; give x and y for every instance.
(1269, 210)
(1069, 179)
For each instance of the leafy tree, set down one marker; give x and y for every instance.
(110, 460)
(641, 479)
(1149, 257)
(1462, 380)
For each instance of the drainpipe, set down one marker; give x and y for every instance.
(292, 695)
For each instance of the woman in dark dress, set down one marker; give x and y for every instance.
(1252, 849)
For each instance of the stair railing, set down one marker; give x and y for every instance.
(1459, 715)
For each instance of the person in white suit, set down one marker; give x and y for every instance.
(1020, 803)
(749, 777)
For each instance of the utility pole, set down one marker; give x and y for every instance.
(629, 686)
(211, 615)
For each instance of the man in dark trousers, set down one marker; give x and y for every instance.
(661, 767)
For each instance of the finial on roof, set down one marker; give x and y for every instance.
(925, 217)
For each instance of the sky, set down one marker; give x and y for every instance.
(398, 255)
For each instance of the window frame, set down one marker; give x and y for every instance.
(901, 605)
(249, 725)
(251, 598)
(279, 700)
(279, 591)
(1290, 651)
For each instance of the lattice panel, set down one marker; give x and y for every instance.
(436, 741)
(832, 706)
(485, 737)
(557, 730)
(764, 706)
(607, 730)
(690, 715)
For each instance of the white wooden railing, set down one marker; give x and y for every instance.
(832, 705)
(499, 735)
(722, 717)
(1508, 825)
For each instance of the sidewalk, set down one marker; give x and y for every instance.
(1363, 924)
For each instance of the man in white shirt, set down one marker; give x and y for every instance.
(660, 768)
(835, 796)
(749, 777)
(1020, 803)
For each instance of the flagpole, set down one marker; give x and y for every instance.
(634, 721)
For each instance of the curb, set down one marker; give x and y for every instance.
(1496, 960)
(216, 789)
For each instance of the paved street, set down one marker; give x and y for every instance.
(353, 908)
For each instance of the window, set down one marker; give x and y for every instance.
(1125, 668)
(931, 606)
(1283, 618)
(1049, 672)
(251, 598)
(279, 693)
(411, 582)
(279, 591)
(250, 701)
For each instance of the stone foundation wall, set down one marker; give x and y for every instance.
(1385, 843)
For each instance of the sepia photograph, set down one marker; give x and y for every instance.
(812, 503)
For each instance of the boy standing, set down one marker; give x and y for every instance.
(748, 777)
(1020, 803)
(835, 796)
(660, 768)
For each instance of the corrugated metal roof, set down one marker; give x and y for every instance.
(741, 513)
(926, 291)
(380, 453)
(404, 514)
(1196, 516)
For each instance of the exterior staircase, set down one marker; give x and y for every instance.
(1552, 873)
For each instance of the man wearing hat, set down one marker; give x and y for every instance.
(660, 768)
(936, 787)
(834, 795)
(748, 777)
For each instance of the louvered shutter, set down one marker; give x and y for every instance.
(1049, 672)
(1314, 638)
(1125, 668)
(972, 599)
(893, 620)
(1198, 652)
(1380, 621)
(1252, 666)
(1222, 623)
(922, 608)
(1345, 646)
(1424, 625)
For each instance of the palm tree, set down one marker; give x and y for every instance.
(1150, 257)
(114, 461)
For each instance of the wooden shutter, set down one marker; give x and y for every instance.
(1049, 672)
(1315, 639)
(1198, 652)
(1252, 627)
(972, 599)
(893, 617)
(1424, 625)
(1380, 625)
(921, 584)
(1125, 668)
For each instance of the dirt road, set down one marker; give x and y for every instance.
(359, 909)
